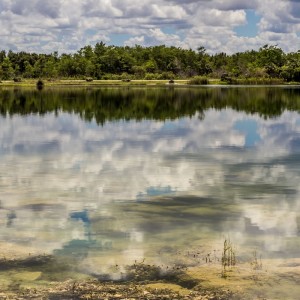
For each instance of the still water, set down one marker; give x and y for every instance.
(110, 176)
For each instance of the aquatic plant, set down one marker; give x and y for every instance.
(228, 257)
(255, 263)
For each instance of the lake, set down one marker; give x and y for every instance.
(100, 178)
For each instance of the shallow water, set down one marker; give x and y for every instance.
(104, 177)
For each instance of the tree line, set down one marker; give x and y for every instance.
(158, 62)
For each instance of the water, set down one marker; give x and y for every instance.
(109, 176)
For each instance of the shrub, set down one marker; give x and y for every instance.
(199, 80)
(17, 79)
(227, 79)
(150, 76)
(106, 77)
(89, 79)
(109, 76)
(139, 72)
(166, 76)
(40, 84)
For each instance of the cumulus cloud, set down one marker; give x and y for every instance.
(156, 37)
(69, 25)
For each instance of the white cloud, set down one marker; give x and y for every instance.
(194, 23)
(138, 40)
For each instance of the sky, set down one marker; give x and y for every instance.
(228, 26)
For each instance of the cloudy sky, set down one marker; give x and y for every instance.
(218, 25)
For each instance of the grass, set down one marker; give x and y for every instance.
(259, 81)
(78, 82)
(197, 80)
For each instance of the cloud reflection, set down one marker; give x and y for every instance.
(54, 167)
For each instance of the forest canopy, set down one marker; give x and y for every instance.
(158, 62)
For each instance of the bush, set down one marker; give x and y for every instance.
(139, 72)
(150, 76)
(109, 76)
(125, 75)
(227, 79)
(199, 80)
(166, 76)
(17, 79)
(40, 84)
(89, 79)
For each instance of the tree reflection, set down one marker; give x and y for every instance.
(109, 104)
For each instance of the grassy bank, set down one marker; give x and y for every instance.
(74, 82)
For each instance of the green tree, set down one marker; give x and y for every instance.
(272, 59)
(2, 56)
(139, 72)
(7, 69)
(150, 66)
(29, 70)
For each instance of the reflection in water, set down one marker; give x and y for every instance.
(125, 190)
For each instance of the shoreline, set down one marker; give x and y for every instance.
(84, 83)
(137, 83)
(29, 277)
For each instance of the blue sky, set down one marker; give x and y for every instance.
(218, 25)
(251, 28)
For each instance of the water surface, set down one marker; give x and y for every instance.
(110, 176)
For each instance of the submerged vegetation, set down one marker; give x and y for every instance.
(49, 277)
(268, 65)
(139, 281)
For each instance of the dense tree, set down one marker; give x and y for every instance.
(7, 70)
(2, 56)
(157, 62)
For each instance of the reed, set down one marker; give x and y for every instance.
(228, 258)
(256, 263)
(199, 80)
